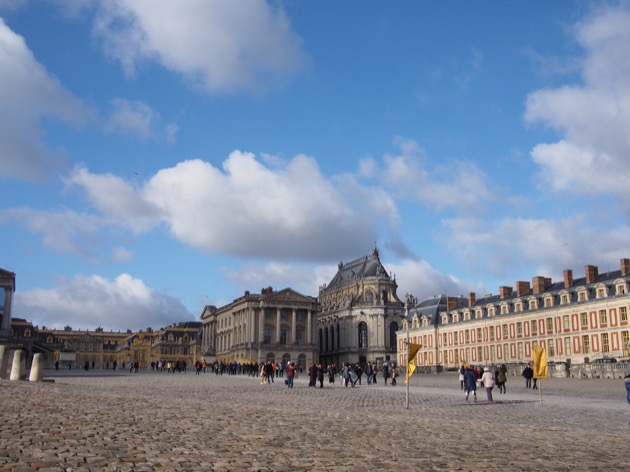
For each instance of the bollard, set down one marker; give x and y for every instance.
(37, 373)
(4, 361)
(17, 369)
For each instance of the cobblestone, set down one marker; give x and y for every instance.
(110, 421)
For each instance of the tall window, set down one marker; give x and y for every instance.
(584, 320)
(623, 313)
(392, 334)
(549, 325)
(299, 335)
(552, 347)
(283, 335)
(565, 323)
(267, 335)
(363, 335)
(332, 338)
(567, 346)
(603, 317)
(586, 344)
(605, 343)
(534, 328)
(491, 332)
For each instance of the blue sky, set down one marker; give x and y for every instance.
(159, 156)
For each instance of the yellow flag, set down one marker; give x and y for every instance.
(540, 362)
(411, 361)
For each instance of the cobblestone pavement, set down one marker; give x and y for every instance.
(105, 421)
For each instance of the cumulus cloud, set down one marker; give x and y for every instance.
(248, 209)
(504, 247)
(89, 302)
(592, 118)
(138, 119)
(221, 46)
(409, 174)
(28, 93)
(65, 231)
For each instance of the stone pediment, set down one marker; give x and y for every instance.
(287, 296)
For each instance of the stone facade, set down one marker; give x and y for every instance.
(273, 325)
(360, 313)
(577, 321)
(7, 284)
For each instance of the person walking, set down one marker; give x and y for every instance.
(470, 382)
(290, 374)
(394, 374)
(461, 376)
(528, 373)
(627, 382)
(502, 378)
(488, 382)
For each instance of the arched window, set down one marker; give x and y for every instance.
(363, 335)
(369, 296)
(393, 327)
(332, 338)
(326, 340)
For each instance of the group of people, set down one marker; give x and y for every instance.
(470, 376)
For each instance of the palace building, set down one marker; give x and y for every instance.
(576, 320)
(359, 313)
(271, 326)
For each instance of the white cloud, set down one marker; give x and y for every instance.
(219, 46)
(248, 209)
(29, 93)
(139, 119)
(90, 302)
(408, 175)
(64, 231)
(122, 254)
(592, 155)
(503, 248)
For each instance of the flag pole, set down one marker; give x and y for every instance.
(407, 371)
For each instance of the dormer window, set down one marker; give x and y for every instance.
(564, 299)
(505, 309)
(548, 302)
(444, 319)
(620, 289)
(533, 304)
(491, 311)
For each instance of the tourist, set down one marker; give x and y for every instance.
(627, 382)
(359, 370)
(502, 378)
(346, 374)
(290, 374)
(528, 373)
(461, 376)
(312, 375)
(369, 372)
(320, 375)
(394, 373)
(386, 370)
(488, 382)
(332, 371)
(470, 382)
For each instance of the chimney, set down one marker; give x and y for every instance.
(451, 303)
(472, 298)
(568, 278)
(541, 283)
(505, 292)
(625, 266)
(591, 274)
(522, 288)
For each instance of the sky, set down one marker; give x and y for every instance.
(157, 157)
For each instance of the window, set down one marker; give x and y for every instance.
(455, 338)
(479, 354)
(491, 311)
(519, 329)
(601, 292)
(505, 309)
(363, 335)
(603, 317)
(586, 344)
(369, 296)
(551, 347)
(567, 346)
(283, 335)
(518, 306)
(444, 339)
(267, 335)
(623, 313)
(582, 296)
(455, 318)
(478, 314)
(625, 342)
(548, 302)
(505, 331)
(605, 343)
(621, 289)
(479, 338)
(533, 304)
(564, 299)
(467, 316)
(549, 325)
(491, 332)
(445, 319)
(534, 327)
(392, 334)
(565, 323)
(584, 320)
(467, 336)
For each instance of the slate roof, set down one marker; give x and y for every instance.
(359, 269)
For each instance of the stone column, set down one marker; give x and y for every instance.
(309, 328)
(293, 327)
(17, 369)
(278, 310)
(4, 361)
(6, 314)
(37, 372)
